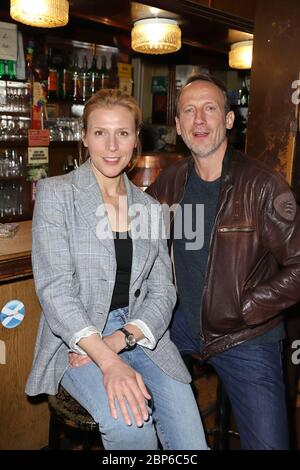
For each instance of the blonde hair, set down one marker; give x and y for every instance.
(107, 98)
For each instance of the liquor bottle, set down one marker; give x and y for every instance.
(113, 72)
(65, 85)
(11, 69)
(94, 75)
(244, 95)
(2, 69)
(77, 82)
(85, 80)
(104, 73)
(29, 62)
(52, 77)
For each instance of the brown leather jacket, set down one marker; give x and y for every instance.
(253, 270)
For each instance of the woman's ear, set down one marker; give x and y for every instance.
(137, 139)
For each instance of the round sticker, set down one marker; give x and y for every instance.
(12, 314)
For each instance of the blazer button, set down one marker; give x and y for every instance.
(137, 293)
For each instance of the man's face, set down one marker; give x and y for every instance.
(201, 121)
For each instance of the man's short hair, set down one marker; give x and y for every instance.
(205, 77)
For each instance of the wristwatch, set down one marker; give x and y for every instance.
(129, 338)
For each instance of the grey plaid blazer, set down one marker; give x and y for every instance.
(74, 270)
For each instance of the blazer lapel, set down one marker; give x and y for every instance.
(89, 202)
(139, 214)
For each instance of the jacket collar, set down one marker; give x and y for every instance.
(226, 174)
(89, 203)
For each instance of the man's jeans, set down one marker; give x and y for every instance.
(175, 413)
(253, 378)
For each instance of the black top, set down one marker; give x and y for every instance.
(123, 249)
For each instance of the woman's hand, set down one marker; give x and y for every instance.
(126, 386)
(122, 383)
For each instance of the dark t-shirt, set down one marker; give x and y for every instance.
(191, 264)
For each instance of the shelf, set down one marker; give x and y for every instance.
(12, 178)
(56, 143)
(64, 143)
(8, 112)
(13, 143)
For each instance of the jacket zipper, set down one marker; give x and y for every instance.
(236, 229)
(209, 256)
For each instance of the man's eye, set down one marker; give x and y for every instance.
(98, 132)
(210, 108)
(124, 133)
(189, 110)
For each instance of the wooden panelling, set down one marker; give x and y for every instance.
(24, 424)
(272, 123)
(245, 9)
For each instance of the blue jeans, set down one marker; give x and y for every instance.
(253, 378)
(174, 419)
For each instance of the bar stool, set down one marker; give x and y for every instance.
(221, 430)
(66, 411)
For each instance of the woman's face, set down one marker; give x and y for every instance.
(110, 137)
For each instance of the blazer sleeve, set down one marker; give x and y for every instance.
(53, 267)
(158, 305)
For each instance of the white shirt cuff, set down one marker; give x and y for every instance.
(84, 333)
(149, 340)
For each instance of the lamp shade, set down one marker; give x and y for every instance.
(156, 36)
(41, 13)
(240, 55)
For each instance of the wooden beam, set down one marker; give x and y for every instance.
(272, 121)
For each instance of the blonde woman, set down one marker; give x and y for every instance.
(103, 277)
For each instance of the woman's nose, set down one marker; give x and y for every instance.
(112, 143)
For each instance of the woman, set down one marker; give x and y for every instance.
(103, 278)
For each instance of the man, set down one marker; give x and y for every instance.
(232, 289)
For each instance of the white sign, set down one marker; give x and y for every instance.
(2, 352)
(38, 155)
(8, 41)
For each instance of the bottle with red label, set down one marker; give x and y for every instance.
(52, 77)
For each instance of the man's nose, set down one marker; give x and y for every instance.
(199, 115)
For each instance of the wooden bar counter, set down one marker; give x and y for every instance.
(23, 422)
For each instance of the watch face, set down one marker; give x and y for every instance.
(130, 340)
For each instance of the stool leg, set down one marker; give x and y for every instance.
(54, 438)
(86, 443)
(222, 419)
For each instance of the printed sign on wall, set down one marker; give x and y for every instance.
(8, 41)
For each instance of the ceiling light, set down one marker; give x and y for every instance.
(41, 13)
(240, 55)
(156, 36)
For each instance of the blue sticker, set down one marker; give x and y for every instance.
(12, 314)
